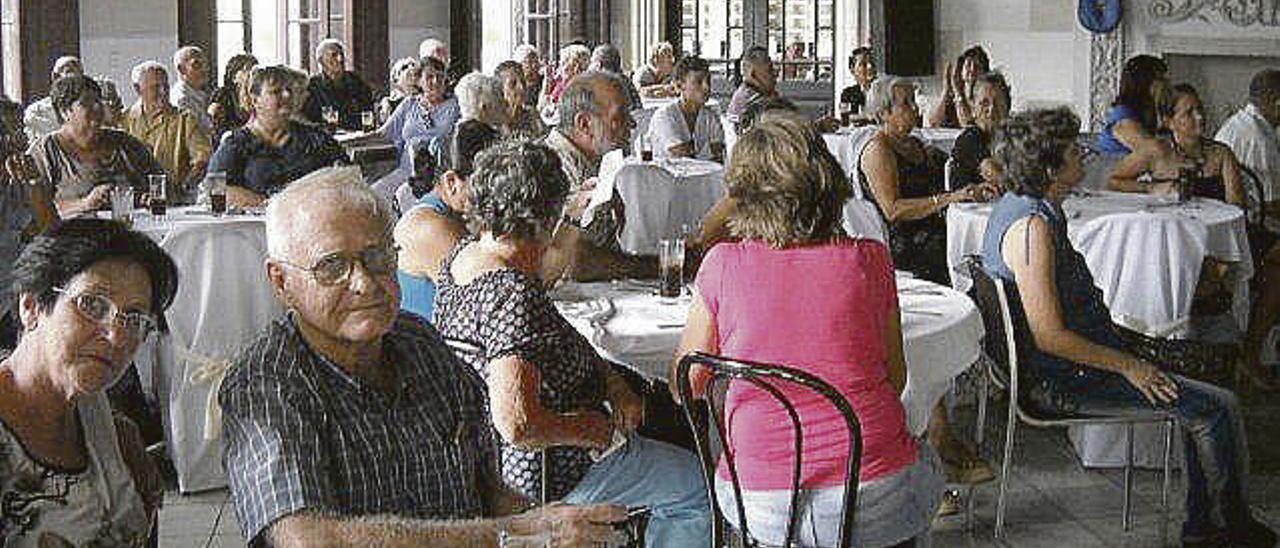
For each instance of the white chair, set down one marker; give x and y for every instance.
(658, 204)
(221, 304)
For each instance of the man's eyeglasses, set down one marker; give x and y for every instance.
(104, 312)
(335, 268)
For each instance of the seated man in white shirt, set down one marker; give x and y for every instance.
(1251, 134)
(688, 128)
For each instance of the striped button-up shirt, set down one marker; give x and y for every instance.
(301, 433)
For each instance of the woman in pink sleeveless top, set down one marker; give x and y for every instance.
(796, 291)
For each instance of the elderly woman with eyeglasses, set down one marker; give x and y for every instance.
(89, 292)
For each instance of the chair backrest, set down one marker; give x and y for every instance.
(1001, 342)
(765, 377)
(657, 204)
(1255, 197)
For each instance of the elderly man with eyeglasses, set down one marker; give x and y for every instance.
(351, 424)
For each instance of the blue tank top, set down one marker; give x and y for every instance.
(417, 293)
(1083, 309)
(1107, 143)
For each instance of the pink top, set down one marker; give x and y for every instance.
(823, 308)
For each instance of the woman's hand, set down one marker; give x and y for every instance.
(1158, 387)
(948, 81)
(557, 525)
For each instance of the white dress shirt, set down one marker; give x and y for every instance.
(668, 128)
(1254, 141)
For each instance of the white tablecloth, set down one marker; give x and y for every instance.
(662, 196)
(223, 301)
(627, 322)
(1145, 254)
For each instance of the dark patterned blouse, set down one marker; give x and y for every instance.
(506, 312)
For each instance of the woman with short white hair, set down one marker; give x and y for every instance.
(480, 98)
(656, 78)
(574, 59)
(404, 83)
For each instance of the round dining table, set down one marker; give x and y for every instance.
(223, 301)
(627, 322)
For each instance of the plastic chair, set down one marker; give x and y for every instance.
(1006, 344)
(758, 375)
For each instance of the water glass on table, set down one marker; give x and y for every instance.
(122, 204)
(368, 121)
(670, 267)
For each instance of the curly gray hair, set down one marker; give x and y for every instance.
(880, 96)
(478, 94)
(1031, 144)
(518, 189)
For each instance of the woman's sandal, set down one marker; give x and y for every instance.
(962, 466)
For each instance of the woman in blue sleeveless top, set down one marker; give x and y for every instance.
(1132, 119)
(1082, 364)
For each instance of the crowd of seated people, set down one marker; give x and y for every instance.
(498, 216)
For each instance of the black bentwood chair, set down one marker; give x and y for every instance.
(1006, 344)
(766, 377)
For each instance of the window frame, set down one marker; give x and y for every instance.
(324, 19)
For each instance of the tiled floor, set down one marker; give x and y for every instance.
(1053, 502)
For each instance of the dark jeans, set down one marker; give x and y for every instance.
(1215, 454)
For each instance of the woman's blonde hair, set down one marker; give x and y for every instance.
(787, 186)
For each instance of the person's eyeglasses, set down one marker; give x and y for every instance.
(104, 312)
(335, 268)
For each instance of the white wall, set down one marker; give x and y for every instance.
(113, 40)
(413, 21)
(1037, 44)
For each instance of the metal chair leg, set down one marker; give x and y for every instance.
(1005, 466)
(1127, 518)
(980, 429)
(1164, 487)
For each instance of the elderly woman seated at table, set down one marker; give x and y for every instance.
(89, 291)
(841, 324)
(1082, 363)
(688, 128)
(905, 183)
(574, 59)
(655, 78)
(1211, 168)
(272, 150)
(971, 161)
(83, 159)
(405, 73)
(552, 400)
(428, 116)
(955, 107)
(522, 119)
(226, 107)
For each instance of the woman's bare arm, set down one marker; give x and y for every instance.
(699, 335)
(521, 419)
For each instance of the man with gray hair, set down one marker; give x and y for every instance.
(335, 87)
(41, 118)
(348, 423)
(192, 90)
(594, 120)
(174, 134)
(1251, 134)
(607, 58)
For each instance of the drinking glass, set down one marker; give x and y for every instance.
(158, 184)
(368, 121)
(330, 115)
(122, 204)
(670, 267)
(216, 183)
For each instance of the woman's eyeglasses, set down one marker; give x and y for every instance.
(104, 312)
